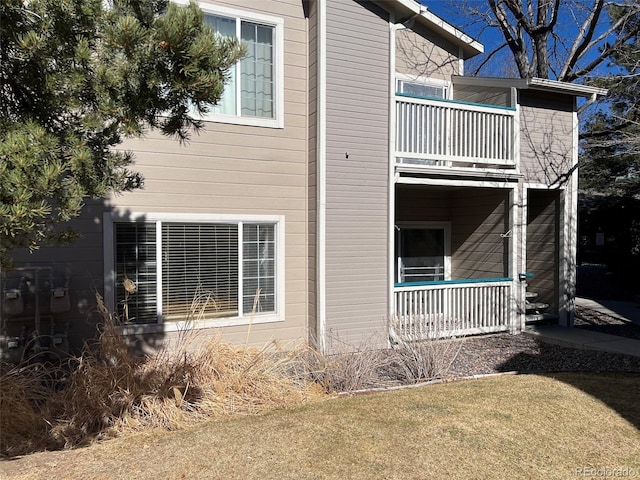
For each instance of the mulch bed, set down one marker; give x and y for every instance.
(527, 354)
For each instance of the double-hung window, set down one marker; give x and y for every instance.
(254, 93)
(167, 269)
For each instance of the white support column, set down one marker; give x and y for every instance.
(516, 316)
(568, 239)
(522, 285)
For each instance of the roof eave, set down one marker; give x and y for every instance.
(406, 10)
(540, 84)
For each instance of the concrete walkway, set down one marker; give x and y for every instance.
(629, 311)
(588, 340)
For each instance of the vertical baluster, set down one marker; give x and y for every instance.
(400, 130)
(455, 132)
(483, 307)
(495, 132)
(472, 308)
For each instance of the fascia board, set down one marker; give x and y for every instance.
(532, 84)
(405, 10)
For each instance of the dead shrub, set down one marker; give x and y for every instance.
(24, 393)
(419, 360)
(349, 368)
(422, 350)
(107, 390)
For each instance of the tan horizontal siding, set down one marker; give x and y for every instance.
(542, 246)
(357, 187)
(226, 169)
(478, 219)
(419, 54)
(546, 138)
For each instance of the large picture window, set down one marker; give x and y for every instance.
(168, 271)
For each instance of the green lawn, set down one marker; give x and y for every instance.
(499, 427)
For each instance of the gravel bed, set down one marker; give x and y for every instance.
(527, 354)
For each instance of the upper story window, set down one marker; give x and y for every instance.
(422, 87)
(254, 94)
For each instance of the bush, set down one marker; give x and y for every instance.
(107, 390)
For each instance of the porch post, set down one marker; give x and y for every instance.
(516, 320)
(522, 260)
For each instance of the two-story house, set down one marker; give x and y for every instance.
(352, 183)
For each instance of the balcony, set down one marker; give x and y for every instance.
(433, 133)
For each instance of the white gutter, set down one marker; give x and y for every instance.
(454, 32)
(418, 12)
(532, 84)
(565, 87)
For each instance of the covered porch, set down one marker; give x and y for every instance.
(455, 260)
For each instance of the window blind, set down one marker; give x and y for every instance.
(199, 270)
(136, 261)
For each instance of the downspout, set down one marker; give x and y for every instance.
(321, 171)
(391, 214)
(589, 102)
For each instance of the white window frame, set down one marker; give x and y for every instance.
(278, 104)
(446, 226)
(110, 218)
(427, 81)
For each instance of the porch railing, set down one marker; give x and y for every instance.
(450, 133)
(451, 308)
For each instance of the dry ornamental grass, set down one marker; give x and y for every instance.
(107, 390)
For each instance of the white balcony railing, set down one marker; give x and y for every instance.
(452, 308)
(449, 133)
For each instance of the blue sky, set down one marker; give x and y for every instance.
(451, 11)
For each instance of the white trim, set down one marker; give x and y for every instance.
(459, 35)
(543, 186)
(418, 79)
(419, 12)
(391, 203)
(278, 23)
(446, 182)
(568, 250)
(109, 218)
(177, 326)
(532, 84)
(517, 290)
(321, 166)
(524, 208)
(241, 269)
(516, 134)
(281, 270)
(126, 216)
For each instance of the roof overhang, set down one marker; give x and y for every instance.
(541, 84)
(405, 11)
